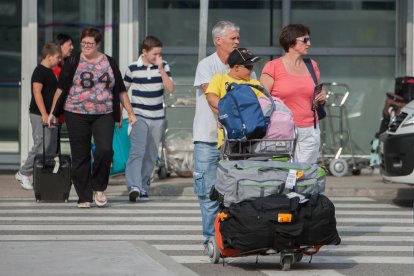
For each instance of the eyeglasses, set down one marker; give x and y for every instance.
(87, 44)
(304, 39)
(248, 66)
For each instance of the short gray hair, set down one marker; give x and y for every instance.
(221, 27)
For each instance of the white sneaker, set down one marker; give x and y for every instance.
(24, 181)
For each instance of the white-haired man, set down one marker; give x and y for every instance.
(206, 155)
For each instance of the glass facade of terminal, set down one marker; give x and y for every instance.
(354, 42)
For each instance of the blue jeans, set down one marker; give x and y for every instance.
(206, 158)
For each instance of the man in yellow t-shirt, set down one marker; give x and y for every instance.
(241, 63)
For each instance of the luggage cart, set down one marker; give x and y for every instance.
(259, 149)
(335, 137)
(176, 153)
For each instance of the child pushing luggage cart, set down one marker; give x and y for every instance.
(269, 204)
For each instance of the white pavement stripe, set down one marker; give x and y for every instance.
(108, 211)
(184, 197)
(377, 238)
(170, 227)
(104, 211)
(348, 198)
(366, 206)
(302, 272)
(183, 237)
(179, 204)
(100, 219)
(117, 204)
(76, 217)
(327, 248)
(180, 201)
(76, 211)
(374, 213)
(315, 259)
(372, 220)
(377, 229)
(101, 237)
(126, 204)
(95, 227)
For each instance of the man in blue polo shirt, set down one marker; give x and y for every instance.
(147, 78)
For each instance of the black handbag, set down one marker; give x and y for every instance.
(320, 110)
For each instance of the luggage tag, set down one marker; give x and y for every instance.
(302, 198)
(291, 179)
(57, 165)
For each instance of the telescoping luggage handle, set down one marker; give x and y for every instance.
(57, 163)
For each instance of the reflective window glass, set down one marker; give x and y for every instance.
(368, 78)
(10, 74)
(258, 20)
(351, 23)
(70, 17)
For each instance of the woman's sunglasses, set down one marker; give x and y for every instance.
(304, 39)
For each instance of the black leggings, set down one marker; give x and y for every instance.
(81, 128)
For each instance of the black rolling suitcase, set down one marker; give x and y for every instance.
(51, 174)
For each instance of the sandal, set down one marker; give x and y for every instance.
(84, 205)
(100, 199)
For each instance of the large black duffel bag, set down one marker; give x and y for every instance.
(252, 225)
(318, 216)
(279, 222)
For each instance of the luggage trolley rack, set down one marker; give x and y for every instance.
(261, 149)
(176, 145)
(233, 149)
(335, 137)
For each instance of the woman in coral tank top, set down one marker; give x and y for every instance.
(289, 79)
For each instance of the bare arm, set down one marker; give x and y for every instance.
(37, 95)
(213, 100)
(168, 83)
(267, 81)
(320, 98)
(52, 118)
(123, 97)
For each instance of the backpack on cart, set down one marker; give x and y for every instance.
(281, 129)
(281, 125)
(240, 114)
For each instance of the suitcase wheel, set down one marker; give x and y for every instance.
(338, 167)
(213, 251)
(298, 257)
(286, 262)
